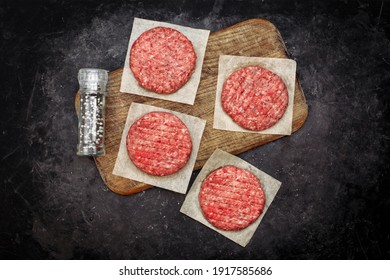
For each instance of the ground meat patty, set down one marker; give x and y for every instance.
(231, 198)
(254, 97)
(162, 60)
(159, 143)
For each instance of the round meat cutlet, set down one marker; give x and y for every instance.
(162, 60)
(159, 143)
(254, 97)
(231, 198)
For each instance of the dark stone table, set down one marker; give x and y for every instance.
(334, 202)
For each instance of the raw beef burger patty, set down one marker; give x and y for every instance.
(231, 198)
(162, 60)
(254, 97)
(159, 143)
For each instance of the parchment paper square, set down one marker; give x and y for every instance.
(219, 158)
(284, 68)
(177, 182)
(187, 93)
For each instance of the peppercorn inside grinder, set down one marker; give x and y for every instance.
(91, 111)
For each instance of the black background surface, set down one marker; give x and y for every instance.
(334, 202)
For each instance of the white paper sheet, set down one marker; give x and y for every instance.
(219, 158)
(284, 68)
(187, 93)
(177, 182)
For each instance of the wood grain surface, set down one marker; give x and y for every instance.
(255, 37)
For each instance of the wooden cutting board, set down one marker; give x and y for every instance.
(255, 37)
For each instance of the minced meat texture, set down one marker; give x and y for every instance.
(159, 143)
(231, 198)
(254, 97)
(162, 60)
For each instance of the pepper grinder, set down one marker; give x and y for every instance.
(90, 111)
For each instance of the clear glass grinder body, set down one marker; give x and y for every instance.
(91, 111)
